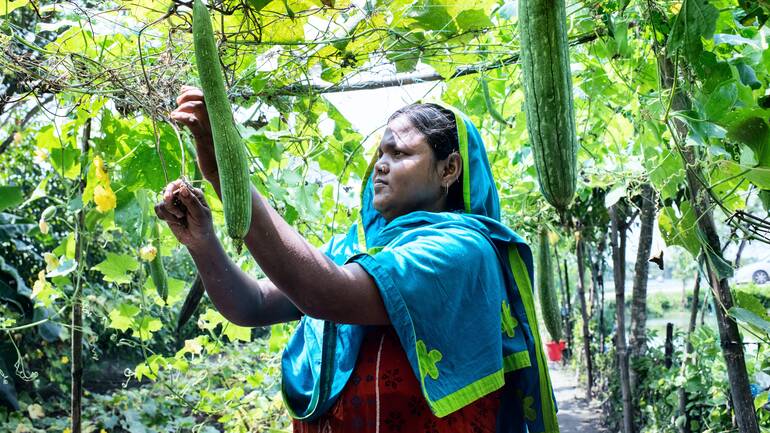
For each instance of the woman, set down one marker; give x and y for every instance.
(417, 319)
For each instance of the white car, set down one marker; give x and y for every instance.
(757, 273)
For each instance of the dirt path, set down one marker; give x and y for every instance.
(575, 414)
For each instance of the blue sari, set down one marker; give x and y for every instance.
(457, 287)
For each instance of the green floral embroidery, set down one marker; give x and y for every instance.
(509, 323)
(529, 412)
(427, 360)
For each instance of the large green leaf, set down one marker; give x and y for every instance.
(7, 6)
(697, 19)
(751, 319)
(680, 228)
(10, 196)
(117, 268)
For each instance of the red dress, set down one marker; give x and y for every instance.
(383, 395)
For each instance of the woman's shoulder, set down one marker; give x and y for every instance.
(446, 240)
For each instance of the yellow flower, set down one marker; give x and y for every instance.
(43, 226)
(35, 411)
(148, 253)
(66, 430)
(64, 360)
(193, 346)
(41, 155)
(51, 261)
(553, 238)
(39, 285)
(104, 198)
(101, 172)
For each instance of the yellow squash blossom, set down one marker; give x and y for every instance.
(43, 226)
(39, 285)
(148, 253)
(51, 261)
(104, 198)
(101, 171)
(41, 155)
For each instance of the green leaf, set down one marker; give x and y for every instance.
(258, 5)
(764, 197)
(122, 317)
(750, 302)
(760, 400)
(116, 267)
(759, 176)
(7, 6)
(751, 128)
(210, 319)
(10, 196)
(65, 268)
(746, 316)
(432, 15)
(680, 228)
(748, 76)
(721, 267)
(474, 19)
(234, 332)
(145, 326)
(697, 19)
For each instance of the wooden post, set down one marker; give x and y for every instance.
(569, 309)
(584, 314)
(669, 345)
(685, 427)
(618, 230)
(76, 348)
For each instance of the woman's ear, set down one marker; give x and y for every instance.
(452, 168)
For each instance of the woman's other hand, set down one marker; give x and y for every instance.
(191, 112)
(188, 216)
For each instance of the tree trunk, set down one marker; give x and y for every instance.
(730, 338)
(76, 367)
(685, 427)
(638, 338)
(618, 243)
(584, 315)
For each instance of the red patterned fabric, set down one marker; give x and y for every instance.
(383, 396)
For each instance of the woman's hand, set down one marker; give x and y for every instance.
(188, 216)
(191, 112)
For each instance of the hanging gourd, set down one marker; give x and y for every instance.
(548, 101)
(549, 303)
(229, 149)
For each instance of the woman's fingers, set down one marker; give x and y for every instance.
(163, 213)
(170, 199)
(190, 106)
(189, 94)
(198, 211)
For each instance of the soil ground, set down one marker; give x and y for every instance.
(576, 415)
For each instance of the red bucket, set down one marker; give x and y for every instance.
(555, 348)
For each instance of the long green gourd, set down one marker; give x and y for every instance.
(548, 101)
(229, 149)
(157, 272)
(549, 304)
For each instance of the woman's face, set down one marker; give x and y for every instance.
(407, 177)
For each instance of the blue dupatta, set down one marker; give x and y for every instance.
(457, 287)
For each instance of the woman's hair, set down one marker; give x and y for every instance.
(439, 126)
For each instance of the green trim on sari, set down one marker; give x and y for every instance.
(521, 276)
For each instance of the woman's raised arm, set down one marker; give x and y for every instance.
(316, 285)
